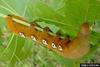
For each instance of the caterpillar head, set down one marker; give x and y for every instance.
(85, 29)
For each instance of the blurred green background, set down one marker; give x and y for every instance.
(63, 15)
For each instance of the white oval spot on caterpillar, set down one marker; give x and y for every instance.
(21, 34)
(60, 48)
(33, 38)
(53, 45)
(44, 42)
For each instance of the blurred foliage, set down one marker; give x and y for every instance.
(63, 15)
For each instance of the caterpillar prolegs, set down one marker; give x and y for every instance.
(72, 49)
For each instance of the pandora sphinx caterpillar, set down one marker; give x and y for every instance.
(73, 49)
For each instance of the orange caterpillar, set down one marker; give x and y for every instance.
(72, 49)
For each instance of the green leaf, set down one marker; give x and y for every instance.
(96, 26)
(0, 37)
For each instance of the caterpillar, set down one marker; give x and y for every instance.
(72, 49)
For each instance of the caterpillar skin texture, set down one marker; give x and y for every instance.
(72, 49)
